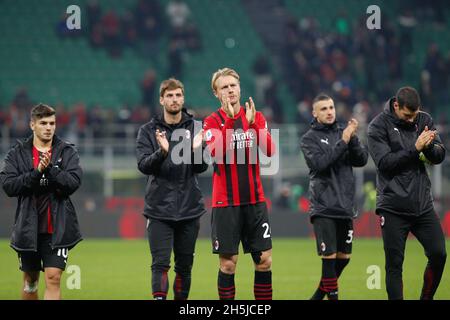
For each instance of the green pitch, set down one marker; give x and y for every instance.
(120, 269)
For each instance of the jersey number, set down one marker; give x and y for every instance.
(350, 236)
(64, 252)
(267, 231)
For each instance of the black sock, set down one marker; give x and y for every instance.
(432, 277)
(328, 282)
(262, 287)
(319, 294)
(226, 286)
(340, 265)
(181, 286)
(160, 284)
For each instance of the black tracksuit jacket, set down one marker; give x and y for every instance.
(19, 179)
(403, 185)
(331, 162)
(172, 191)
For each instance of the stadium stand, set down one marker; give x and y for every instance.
(66, 70)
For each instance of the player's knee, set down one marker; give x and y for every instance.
(262, 260)
(228, 266)
(341, 255)
(160, 263)
(53, 277)
(30, 286)
(160, 267)
(183, 264)
(394, 260)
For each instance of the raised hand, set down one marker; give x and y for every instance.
(431, 136)
(353, 123)
(250, 111)
(198, 140)
(425, 139)
(350, 130)
(227, 107)
(44, 161)
(430, 139)
(162, 141)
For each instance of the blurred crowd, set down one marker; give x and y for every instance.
(75, 121)
(140, 27)
(93, 121)
(361, 69)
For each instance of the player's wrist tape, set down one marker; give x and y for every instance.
(424, 159)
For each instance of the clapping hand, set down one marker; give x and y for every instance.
(425, 139)
(250, 111)
(162, 141)
(198, 140)
(44, 161)
(227, 107)
(350, 130)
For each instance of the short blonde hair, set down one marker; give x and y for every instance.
(170, 84)
(222, 73)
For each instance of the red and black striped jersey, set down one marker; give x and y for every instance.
(233, 145)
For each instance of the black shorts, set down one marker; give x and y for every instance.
(246, 223)
(333, 235)
(45, 257)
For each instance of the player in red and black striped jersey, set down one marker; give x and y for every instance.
(233, 135)
(237, 182)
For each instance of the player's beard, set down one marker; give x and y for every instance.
(173, 112)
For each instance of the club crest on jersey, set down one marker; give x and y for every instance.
(323, 247)
(216, 244)
(58, 162)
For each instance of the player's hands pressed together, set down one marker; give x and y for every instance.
(44, 161)
(250, 111)
(198, 140)
(227, 107)
(350, 130)
(425, 139)
(162, 141)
